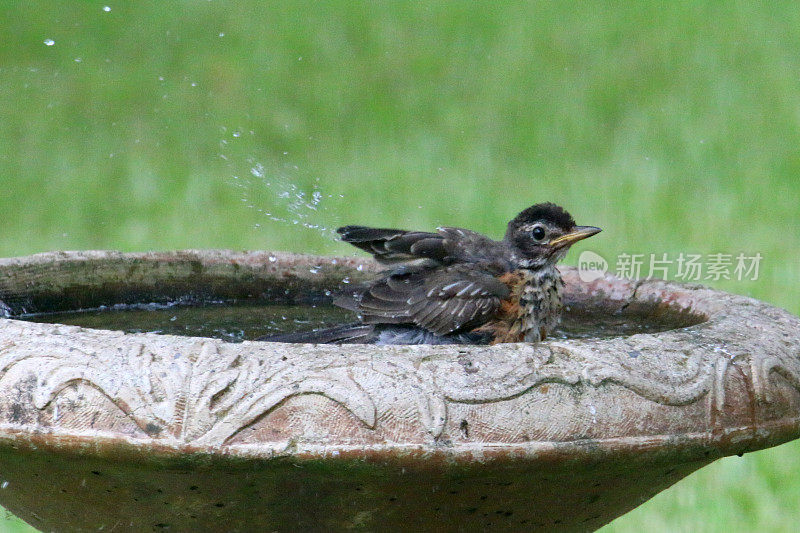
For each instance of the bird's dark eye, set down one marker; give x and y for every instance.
(538, 233)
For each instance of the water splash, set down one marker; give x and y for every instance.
(302, 207)
(276, 190)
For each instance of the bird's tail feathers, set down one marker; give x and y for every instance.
(344, 334)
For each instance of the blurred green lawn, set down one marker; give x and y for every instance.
(674, 126)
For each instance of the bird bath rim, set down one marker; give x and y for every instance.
(712, 313)
(727, 385)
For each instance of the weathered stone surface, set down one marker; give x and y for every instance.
(144, 431)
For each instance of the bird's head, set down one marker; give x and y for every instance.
(542, 234)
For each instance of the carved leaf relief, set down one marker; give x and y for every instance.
(202, 397)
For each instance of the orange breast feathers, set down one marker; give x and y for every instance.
(507, 326)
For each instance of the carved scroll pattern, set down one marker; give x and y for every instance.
(204, 392)
(659, 368)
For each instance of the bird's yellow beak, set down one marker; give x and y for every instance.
(577, 234)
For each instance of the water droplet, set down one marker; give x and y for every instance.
(258, 171)
(272, 259)
(106, 9)
(49, 42)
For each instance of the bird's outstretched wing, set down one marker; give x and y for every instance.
(447, 281)
(442, 300)
(445, 247)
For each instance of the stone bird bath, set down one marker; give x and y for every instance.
(103, 429)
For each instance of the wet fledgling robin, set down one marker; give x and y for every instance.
(457, 286)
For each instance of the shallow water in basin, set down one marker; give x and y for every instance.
(249, 320)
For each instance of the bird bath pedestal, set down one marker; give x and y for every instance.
(140, 432)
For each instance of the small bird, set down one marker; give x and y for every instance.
(456, 286)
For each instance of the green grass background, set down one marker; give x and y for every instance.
(674, 126)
